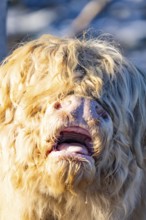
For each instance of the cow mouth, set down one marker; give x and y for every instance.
(74, 140)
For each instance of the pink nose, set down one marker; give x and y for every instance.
(82, 108)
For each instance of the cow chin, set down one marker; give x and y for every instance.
(70, 173)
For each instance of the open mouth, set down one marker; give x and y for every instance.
(74, 140)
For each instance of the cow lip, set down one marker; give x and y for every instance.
(74, 135)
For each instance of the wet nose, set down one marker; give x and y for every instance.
(82, 108)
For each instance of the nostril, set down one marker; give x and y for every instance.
(57, 105)
(102, 113)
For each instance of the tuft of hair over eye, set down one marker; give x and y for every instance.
(80, 72)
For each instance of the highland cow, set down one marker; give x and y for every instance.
(72, 132)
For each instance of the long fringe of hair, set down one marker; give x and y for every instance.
(28, 81)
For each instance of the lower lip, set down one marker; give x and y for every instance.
(65, 154)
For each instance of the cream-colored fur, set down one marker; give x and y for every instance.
(35, 185)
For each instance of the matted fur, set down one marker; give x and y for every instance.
(34, 185)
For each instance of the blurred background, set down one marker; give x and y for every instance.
(125, 20)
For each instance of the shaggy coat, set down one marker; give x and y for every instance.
(72, 133)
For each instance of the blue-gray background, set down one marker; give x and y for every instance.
(124, 19)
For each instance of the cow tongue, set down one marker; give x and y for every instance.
(73, 148)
